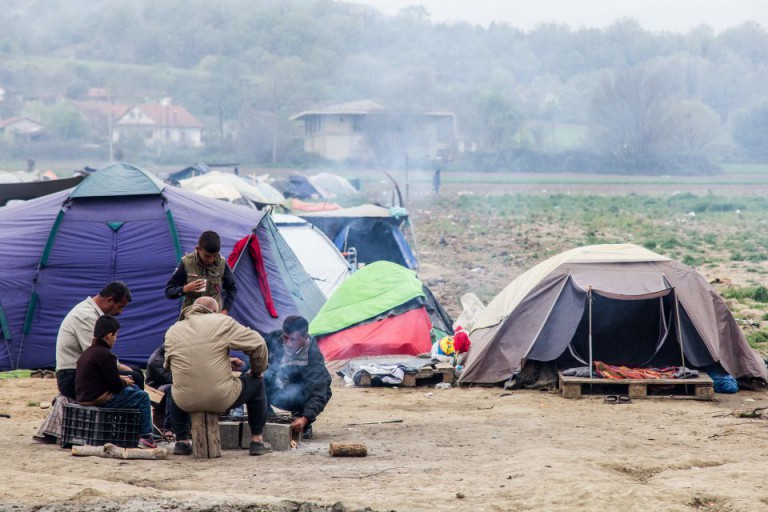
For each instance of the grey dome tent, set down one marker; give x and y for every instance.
(618, 303)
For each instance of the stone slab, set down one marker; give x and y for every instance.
(276, 434)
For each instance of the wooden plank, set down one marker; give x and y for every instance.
(705, 392)
(702, 386)
(570, 390)
(701, 379)
(155, 395)
(424, 376)
(206, 443)
(638, 390)
(427, 375)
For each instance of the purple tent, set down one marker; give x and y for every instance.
(121, 223)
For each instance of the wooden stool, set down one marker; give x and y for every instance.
(206, 443)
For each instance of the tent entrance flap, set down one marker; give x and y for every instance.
(560, 326)
(634, 332)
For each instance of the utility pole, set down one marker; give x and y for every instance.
(109, 127)
(274, 121)
(407, 185)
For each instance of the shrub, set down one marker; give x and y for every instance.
(650, 244)
(756, 293)
(760, 294)
(691, 260)
(757, 338)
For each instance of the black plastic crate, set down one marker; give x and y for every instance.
(96, 426)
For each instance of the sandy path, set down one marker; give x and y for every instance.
(530, 450)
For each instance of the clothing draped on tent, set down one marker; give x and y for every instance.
(254, 249)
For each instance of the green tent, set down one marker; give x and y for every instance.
(374, 289)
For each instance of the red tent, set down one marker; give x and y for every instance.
(403, 334)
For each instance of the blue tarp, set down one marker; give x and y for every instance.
(374, 238)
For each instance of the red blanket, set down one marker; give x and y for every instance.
(609, 371)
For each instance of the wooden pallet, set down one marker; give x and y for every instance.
(702, 386)
(424, 377)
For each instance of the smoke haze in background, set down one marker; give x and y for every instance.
(670, 15)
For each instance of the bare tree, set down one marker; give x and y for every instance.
(695, 128)
(628, 112)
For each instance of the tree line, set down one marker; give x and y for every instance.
(641, 100)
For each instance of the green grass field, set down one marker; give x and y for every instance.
(723, 237)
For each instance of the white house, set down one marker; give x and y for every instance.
(364, 129)
(21, 128)
(159, 124)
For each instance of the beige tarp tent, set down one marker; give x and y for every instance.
(609, 301)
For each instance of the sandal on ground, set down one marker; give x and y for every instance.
(624, 399)
(611, 399)
(147, 443)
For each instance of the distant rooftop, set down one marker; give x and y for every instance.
(360, 107)
(166, 115)
(13, 120)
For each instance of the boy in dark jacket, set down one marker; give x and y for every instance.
(297, 379)
(160, 378)
(99, 383)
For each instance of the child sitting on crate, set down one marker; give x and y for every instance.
(99, 383)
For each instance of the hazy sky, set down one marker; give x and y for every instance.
(673, 15)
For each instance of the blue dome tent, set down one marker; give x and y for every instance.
(122, 223)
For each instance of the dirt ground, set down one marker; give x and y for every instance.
(475, 449)
(478, 449)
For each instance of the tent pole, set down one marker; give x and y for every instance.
(680, 335)
(413, 235)
(589, 298)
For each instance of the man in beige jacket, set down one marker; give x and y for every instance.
(197, 353)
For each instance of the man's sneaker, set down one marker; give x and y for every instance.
(182, 448)
(147, 443)
(260, 448)
(307, 432)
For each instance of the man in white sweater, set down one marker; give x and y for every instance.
(76, 333)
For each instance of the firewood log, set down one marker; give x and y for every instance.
(348, 450)
(110, 451)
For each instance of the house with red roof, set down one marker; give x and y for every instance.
(159, 124)
(21, 129)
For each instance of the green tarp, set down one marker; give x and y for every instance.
(370, 291)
